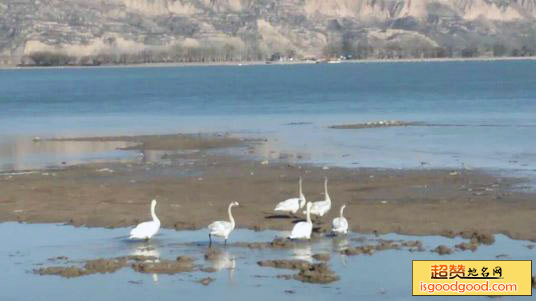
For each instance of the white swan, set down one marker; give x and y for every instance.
(340, 224)
(322, 207)
(302, 230)
(294, 204)
(147, 230)
(222, 228)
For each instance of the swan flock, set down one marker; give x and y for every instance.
(301, 230)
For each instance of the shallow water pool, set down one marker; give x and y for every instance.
(384, 275)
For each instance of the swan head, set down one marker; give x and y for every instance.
(342, 209)
(153, 203)
(235, 204)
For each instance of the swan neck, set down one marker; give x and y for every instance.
(231, 219)
(342, 210)
(326, 190)
(153, 214)
(300, 187)
(309, 214)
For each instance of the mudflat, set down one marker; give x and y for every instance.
(194, 188)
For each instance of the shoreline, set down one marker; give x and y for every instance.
(284, 63)
(194, 188)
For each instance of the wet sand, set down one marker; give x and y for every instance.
(170, 142)
(194, 189)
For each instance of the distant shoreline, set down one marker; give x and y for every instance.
(259, 63)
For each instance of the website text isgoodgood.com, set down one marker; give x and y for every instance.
(461, 288)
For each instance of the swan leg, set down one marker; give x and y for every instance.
(225, 243)
(209, 240)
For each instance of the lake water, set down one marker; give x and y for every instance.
(484, 115)
(382, 276)
(484, 112)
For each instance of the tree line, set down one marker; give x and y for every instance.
(363, 51)
(211, 53)
(232, 53)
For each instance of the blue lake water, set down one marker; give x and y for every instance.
(492, 104)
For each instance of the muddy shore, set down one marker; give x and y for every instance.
(140, 264)
(194, 189)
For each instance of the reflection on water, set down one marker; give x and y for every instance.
(24, 153)
(340, 243)
(237, 274)
(147, 249)
(223, 260)
(303, 252)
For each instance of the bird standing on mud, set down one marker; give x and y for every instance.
(320, 208)
(340, 224)
(294, 204)
(303, 230)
